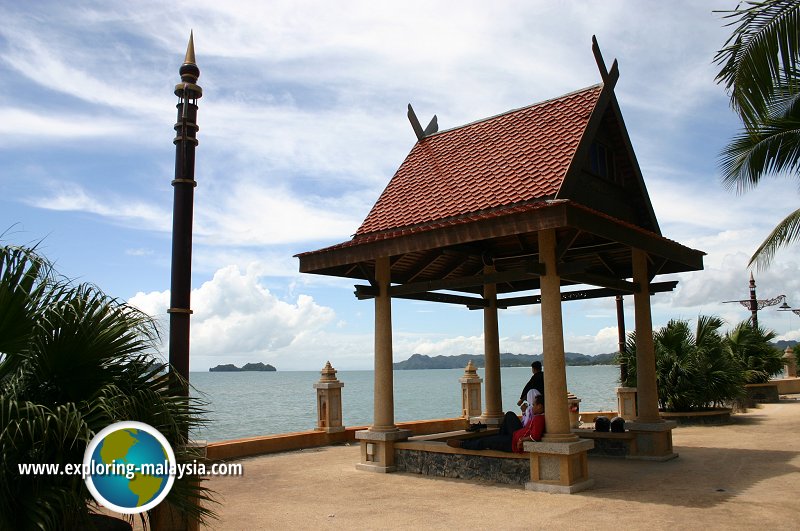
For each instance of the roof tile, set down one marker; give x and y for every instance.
(518, 156)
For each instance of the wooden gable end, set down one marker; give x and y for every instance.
(605, 175)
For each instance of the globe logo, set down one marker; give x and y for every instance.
(128, 467)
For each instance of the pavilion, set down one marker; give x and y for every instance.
(535, 200)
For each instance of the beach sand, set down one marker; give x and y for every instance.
(745, 475)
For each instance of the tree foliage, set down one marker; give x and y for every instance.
(73, 361)
(703, 368)
(759, 68)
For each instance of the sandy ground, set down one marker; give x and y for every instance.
(741, 476)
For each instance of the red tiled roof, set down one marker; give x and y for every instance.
(518, 156)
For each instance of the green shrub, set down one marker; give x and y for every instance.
(73, 361)
(694, 369)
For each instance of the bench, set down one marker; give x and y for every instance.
(429, 455)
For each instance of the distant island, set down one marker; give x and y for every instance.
(249, 367)
(421, 361)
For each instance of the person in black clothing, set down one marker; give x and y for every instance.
(536, 382)
(500, 441)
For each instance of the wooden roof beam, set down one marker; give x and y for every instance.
(566, 242)
(530, 270)
(609, 78)
(566, 296)
(433, 126)
(578, 271)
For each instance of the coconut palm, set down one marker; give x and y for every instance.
(73, 361)
(760, 71)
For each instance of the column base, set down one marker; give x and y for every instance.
(653, 440)
(561, 468)
(377, 449)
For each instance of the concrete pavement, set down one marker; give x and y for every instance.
(741, 476)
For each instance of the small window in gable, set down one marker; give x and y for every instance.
(601, 161)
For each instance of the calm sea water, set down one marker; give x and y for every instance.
(246, 404)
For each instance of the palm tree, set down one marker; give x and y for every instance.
(760, 71)
(73, 361)
(693, 368)
(752, 347)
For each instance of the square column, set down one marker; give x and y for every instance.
(653, 435)
(559, 468)
(646, 383)
(493, 414)
(556, 407)
(559, 463)
(377, 443)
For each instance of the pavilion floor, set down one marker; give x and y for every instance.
(738, 476)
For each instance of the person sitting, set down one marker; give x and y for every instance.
(536, 382)
(511, 433)
(533, 429)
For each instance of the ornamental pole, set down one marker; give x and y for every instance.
(188, 93)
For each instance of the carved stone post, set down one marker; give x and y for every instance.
(470, 392)
(329, 401)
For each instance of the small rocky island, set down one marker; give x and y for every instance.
(248, 367)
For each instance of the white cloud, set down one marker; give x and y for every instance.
(71, 197)
(19, 126)
(237, 319)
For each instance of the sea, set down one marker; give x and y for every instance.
(249, 404)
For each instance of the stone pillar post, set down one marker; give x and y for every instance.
(470, 392)
(646, 386)
(559, 462)
(555, 373)
(791, 362)
(377, 443)
(491, 345)
(329, 401)
(626, 402)
(653, 435)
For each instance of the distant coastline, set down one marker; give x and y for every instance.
(421, 361)
(248, 367)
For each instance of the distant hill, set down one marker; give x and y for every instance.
(459, 361)
(783, 344)
(248, 367)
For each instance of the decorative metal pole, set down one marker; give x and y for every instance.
(183, 208)
(753, 304)
(623, 367)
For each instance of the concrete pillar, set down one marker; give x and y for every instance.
(384, 376)
(626, 402)
(646, 386)
(555, 374)
(329, 401)
(653, 435)
(791, 362)
(491, 345)
(377, 443)
(470, 392)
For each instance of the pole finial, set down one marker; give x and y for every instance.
(189, 73)
(189, 60)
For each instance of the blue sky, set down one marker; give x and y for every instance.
(302, 124)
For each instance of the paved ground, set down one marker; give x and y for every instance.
(742, 476)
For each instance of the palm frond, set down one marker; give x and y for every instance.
(760, 56)
(783, 235)
(771, 148)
